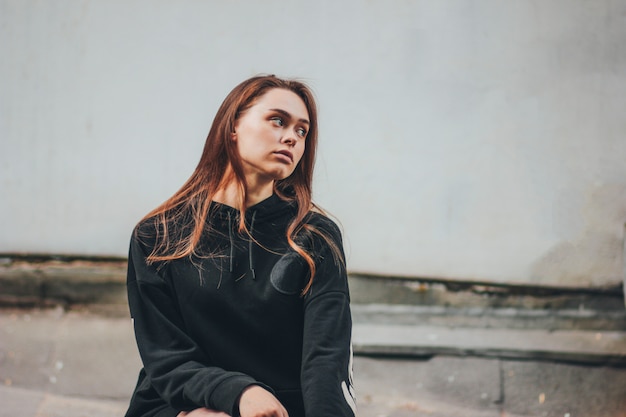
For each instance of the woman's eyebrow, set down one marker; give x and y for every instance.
(286, 114)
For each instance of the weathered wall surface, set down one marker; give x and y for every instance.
(460, 139)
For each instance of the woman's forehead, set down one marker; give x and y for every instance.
(287, 100)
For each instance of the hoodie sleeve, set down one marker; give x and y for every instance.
(177, 367)
(327, 344)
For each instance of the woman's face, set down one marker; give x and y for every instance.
(271, 135)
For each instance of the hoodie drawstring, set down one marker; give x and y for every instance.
(232, 242)
(250, 246)
(231, 238)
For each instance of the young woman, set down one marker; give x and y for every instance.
(237, 284)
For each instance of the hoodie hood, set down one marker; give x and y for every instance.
(271, 208)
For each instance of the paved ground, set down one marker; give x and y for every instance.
(435, 353)
(82, 363)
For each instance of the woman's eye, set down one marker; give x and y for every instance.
(301, 132)
(277, 121)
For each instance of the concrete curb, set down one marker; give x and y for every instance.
(419, 332)
(581, 347)
(50, 282)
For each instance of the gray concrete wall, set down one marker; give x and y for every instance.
(460, 139)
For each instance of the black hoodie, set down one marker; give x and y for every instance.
(209, 326)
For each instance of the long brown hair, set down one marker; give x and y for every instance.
(219, 153)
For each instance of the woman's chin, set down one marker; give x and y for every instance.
(279, 175)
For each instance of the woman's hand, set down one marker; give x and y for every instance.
(202, 412)
(256, 401)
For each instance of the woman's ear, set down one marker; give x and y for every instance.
(233, 136)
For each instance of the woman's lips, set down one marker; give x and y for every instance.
(285, 153)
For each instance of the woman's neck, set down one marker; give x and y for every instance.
(257, 191)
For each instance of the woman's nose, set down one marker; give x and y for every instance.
(289, 138)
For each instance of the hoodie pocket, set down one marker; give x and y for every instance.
(288, 274)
